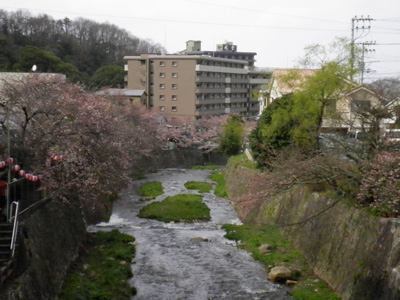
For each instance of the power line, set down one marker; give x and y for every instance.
(264, 12)
(188, 21)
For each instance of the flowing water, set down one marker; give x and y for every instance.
(179, 261)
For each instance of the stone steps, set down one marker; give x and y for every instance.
(6, 261)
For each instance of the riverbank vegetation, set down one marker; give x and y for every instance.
(279, 252)
(151, 189)
(219, 177)
(103, 270)
(306, 137)
(178, 208)
(207, 166)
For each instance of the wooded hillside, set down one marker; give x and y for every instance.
(76, 48)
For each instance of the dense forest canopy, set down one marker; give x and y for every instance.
(76, 48)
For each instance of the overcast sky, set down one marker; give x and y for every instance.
(277, 30)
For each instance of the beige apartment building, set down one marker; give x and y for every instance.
(196, 84)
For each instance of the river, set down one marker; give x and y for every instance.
(181, 261)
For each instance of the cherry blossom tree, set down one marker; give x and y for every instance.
(203, 134)
(380, 187)
(82, 143)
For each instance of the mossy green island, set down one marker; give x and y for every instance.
(201, 187)
(151, 189)
(181, 207)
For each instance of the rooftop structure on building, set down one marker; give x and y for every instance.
(196, 83)
(226, 50)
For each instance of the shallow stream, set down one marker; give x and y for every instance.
(178, 261)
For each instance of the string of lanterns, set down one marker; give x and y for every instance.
(22, 173)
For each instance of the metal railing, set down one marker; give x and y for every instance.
(14, 215)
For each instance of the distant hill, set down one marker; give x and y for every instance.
(76, 48)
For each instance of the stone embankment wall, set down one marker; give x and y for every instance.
(357, 254)
(52, 233)
(49, 242)
(179, 158)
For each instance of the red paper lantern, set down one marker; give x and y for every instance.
(21, 173)
(2, 164)
(34, 178)
(16, 168)
(10, 160)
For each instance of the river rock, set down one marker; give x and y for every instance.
(290, 282)
(265, 249)
(280, 274)
(198, 239)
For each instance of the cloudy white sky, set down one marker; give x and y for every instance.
(277, 30)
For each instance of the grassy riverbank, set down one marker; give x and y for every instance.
(251, 237)
(103, 269)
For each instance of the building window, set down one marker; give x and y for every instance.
(162, 86)
(162, 97)
(174, 97)
(174, 75)
(162, 75)
(162, 63)
(162, 108)
(174, 63)
(174, 108)
(174, 86)
(360, 106)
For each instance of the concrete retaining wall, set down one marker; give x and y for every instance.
(357, 254)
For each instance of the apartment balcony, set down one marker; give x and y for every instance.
(259, 81)
(210, 79)
(235, 90)
(236, 80)
(218, 69)
(235, 100)
(205, 112)
(254, 108)
(237, 110)
(210, 101)
(206, 90)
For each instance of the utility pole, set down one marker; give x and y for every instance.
(364, 46)
(360, 27)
